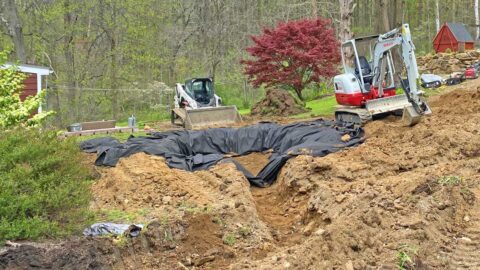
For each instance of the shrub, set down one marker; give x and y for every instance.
(13, 111)
(44, 185)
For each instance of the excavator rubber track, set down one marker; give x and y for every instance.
(204, 117)
(355, 115)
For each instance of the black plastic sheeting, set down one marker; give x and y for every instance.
(198, 150)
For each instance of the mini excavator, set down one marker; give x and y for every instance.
(368, 87)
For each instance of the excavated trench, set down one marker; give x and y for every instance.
(406, 190)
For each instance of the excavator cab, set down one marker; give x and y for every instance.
(357, 56)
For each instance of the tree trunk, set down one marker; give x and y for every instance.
(9, 16)
(437, 15)
(384, 9)
(346, 10)
(477, 20)
(113, 77)
(299, 94)
(314, 9)
(113, 64)
(68, 21)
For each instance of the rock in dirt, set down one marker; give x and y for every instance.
(349, 265)
(309, 228)
(203, 260)
(278, 102)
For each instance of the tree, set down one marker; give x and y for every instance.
(477, 19)
(9, 16)
(437, 16)
(13, 111)
(293, 55)
(346, 11)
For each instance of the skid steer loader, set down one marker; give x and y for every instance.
(197, 105)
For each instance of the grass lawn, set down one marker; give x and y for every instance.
(244, 111)
(319, 107)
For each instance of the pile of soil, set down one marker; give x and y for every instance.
(407, 192)
(277, 102)
(446, 63)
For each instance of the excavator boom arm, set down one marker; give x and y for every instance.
(386, 42)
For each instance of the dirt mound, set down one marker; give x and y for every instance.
(406, 193)
(253, 162)
(446, 63)
(278, 102)
(75, 254)
(408, 196)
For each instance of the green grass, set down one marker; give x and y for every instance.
(229, 239)
(244, 111)
(145, 118)
(319, 107)
(405, 256)
(120, 216)
(449, 180)
(44, 186)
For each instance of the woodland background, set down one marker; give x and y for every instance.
(112, 58)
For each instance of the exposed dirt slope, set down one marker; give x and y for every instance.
(407, 192)
(411, 190)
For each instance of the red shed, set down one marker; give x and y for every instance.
(453, 36)
(33, 84)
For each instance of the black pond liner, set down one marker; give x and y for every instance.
(199, 149)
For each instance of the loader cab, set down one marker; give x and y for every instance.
(357, 58)
(201, 90)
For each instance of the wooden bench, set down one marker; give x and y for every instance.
(100, 131)
(98, 125)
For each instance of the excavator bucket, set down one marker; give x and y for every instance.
(209, 116)
(410, 117)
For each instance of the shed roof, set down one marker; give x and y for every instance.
(460, 32)
(39, 70)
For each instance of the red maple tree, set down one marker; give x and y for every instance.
(293, 55)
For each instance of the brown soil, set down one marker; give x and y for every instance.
(277, 103)
(406, 191)
(253, 162)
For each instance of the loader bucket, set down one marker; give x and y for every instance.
(210, 116)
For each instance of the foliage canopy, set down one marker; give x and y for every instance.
(14, 111)
(44, 187)
(293, 55)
